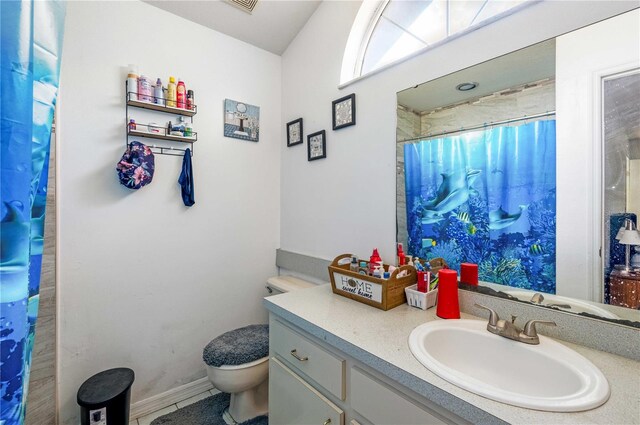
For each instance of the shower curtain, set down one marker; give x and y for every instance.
(30, 63)
(487, 197)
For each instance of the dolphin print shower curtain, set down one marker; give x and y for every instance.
(30, 63)
(487, 197)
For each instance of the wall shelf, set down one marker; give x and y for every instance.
(162, 133)
(138, 133)
(161, 108)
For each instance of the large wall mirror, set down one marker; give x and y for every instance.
(528, 165)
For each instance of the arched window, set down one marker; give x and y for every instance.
(387, 31)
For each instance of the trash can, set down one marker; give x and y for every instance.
(104, 398)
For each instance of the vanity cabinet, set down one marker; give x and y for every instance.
(309, 358)
(311, 382)
(294, 401)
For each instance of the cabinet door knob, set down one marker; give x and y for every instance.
(327, 422)
(294, 353)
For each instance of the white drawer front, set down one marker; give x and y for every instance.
(292, 401)
(320, 365)
(380, 405)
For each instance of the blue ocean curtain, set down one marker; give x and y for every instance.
(30, 64)
(487, 197)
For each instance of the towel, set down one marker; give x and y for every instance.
(186, 180)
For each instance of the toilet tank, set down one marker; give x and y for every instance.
(280, 284)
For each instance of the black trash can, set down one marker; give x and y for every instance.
(104, 398)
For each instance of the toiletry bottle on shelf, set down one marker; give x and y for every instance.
(373, 261)
(171, 92)
(448, 304)
(181, 94)
(353, 266)
(132, 124)
(363, 269)
(132, 84)
(188, 130)
(190, 100)
(401, 256)
(145, 91)
(158, 96)
(178, 129)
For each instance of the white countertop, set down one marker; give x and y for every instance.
(380, 339)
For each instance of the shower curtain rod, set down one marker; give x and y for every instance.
(477, 127)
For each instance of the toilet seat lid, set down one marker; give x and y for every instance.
(239, 346)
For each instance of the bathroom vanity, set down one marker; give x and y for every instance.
(336, 361)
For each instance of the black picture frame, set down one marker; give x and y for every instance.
(314, 142)
(343, 111)
(291, 125)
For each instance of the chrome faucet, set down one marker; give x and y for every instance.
(538, 298)
(506, 329)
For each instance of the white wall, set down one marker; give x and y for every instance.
(146, 282)
(346, 202)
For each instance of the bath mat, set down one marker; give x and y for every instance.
(205, 412)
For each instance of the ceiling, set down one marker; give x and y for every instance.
(272, 25)
(523, 66)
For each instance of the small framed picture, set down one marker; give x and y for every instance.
(294, 132)
(316, 146)
(241, 120)
(344, 111)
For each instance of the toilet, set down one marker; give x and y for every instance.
(238, 361)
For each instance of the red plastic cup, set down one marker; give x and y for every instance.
(469, 273)
(448, 305)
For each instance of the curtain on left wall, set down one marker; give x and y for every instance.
(30, 65)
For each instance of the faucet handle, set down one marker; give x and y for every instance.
(530, 327)
(493, 316)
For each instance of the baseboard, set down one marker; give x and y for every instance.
(167, 398)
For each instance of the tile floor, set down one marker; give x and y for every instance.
(146, 420)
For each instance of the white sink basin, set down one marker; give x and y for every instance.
(548, 376)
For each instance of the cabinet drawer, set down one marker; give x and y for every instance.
(302, 354)
(381, 405)
(293, 401)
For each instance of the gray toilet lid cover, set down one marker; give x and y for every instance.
(239, 346)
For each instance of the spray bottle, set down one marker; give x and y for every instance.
(171, 93)
(181, 94)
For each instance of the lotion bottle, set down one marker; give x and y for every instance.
(132, 84)
(145, 91)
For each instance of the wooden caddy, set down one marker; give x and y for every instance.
(384, 294)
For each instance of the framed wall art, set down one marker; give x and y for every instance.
(344, 111)
(241, 120)
(316, 146)
(294, 132)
